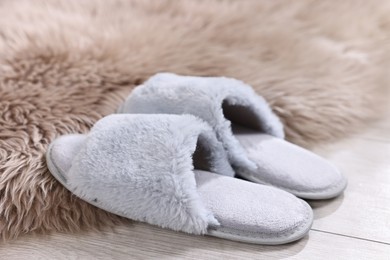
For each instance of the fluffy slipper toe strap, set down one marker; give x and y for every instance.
(211, 98)
(141, 167)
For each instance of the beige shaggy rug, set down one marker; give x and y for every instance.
(322, 65)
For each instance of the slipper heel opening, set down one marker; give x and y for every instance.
(209, 155)
(202, 155)
(241, 115)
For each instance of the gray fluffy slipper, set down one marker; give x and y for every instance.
(251, 134)
(168, 170)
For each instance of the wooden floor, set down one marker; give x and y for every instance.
(353, 226)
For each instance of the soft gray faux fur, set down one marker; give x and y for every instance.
(203, 97)
(140, 167)
(152, 179)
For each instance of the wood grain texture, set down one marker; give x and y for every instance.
(363, 211)
(141, 241)
(353, 226)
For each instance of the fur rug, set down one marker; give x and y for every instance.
(322, 65)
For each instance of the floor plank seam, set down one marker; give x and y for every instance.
(353, 237)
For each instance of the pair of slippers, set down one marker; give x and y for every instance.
(169, 156)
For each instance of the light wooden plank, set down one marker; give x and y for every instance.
(364, 209)
(141, 241)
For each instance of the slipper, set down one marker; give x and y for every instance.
(142, 167)
(244, 123)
